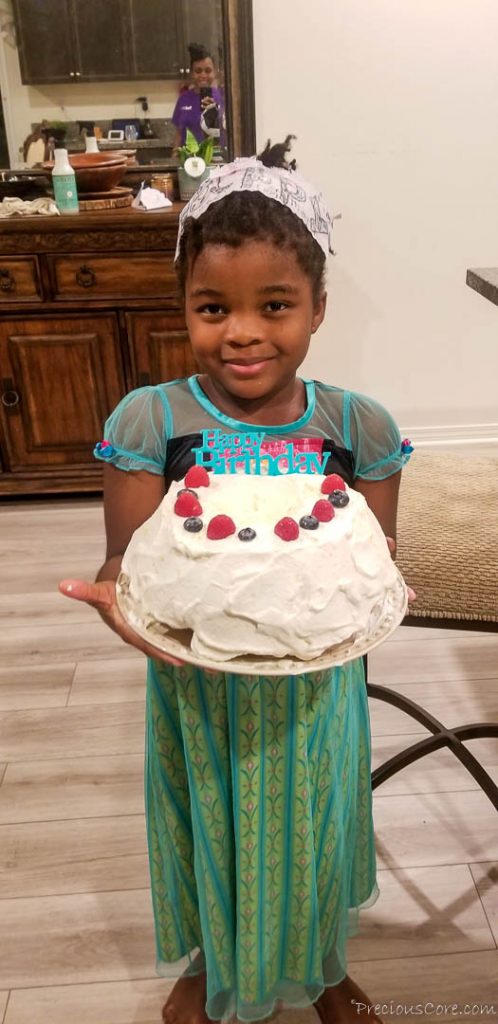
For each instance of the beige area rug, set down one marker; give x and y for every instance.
(448, 534)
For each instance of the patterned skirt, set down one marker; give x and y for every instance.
(260, 834)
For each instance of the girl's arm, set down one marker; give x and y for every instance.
(382, 497)
(129, 499)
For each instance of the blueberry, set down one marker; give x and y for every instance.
(309, 522)
(192, 524)
(247, 533)
(339, 499)
(186, 490)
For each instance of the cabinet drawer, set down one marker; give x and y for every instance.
(19, 279)
(121, 276)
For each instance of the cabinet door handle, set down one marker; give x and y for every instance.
(85, 277)
(7, 283)
(10, 397)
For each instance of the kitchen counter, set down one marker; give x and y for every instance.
(128, 228)
(128, 218)
(485, 281)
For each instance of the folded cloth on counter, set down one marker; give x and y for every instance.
(12, 206)
(150, 199)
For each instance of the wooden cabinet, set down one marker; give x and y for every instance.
(202, 22)
(159, 347)
(44, 39)
(98, 276)
(156, 39)
(67, 40)
(64, 377)
(90, 311)
(19, 280)
(99, 40)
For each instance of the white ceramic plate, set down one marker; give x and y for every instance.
(177, 643)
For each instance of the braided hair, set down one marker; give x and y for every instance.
(198, 52)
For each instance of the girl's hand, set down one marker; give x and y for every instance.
(392, 548)
(102, 597)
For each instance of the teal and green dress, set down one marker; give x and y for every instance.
(258, 796)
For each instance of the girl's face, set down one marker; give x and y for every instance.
(250, 315)
(203, 72)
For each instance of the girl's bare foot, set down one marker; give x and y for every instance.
(345, 1003)
(187, 1002)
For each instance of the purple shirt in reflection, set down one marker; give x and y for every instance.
(187, 114)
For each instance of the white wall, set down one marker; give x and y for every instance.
(395, 105)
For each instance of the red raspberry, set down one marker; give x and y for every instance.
(323, 511)
(220, 527)
(287, 528)
(187, 504)
(334, 482)
(197, 476)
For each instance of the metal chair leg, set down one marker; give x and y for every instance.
(442, 736)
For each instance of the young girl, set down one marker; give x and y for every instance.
(258, 788)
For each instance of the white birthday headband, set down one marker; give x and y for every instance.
(247, 174)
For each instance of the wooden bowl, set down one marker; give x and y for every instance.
(95, 172)
(22, 186)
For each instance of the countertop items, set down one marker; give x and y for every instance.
(485, 281)
(14, 207)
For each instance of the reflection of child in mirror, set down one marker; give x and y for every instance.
(202, 114)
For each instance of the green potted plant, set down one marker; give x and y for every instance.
(58, 129)
(195, 158)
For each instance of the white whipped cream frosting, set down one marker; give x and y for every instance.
(266, 597)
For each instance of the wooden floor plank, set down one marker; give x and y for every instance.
(486, 880)
(109, 680)
(452, 702)
(435, 660)
(118, 1002)
(4, 997)
(82, 787)
(92, 730)
(32, 645)
(40, 859)
(35, 686)
(434, 828)
(66, 940)
(431, 987)
(423, 911)
(43, 609)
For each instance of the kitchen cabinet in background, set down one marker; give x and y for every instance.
(155, 39)
(99, 40)
(44, 40)
(89, 309)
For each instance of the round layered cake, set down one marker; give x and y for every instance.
(263, 566)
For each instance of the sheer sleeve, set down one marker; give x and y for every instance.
(375, 439)
(136, 433)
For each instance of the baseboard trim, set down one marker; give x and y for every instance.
(457, 434)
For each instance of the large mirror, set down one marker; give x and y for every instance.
(126, 72)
